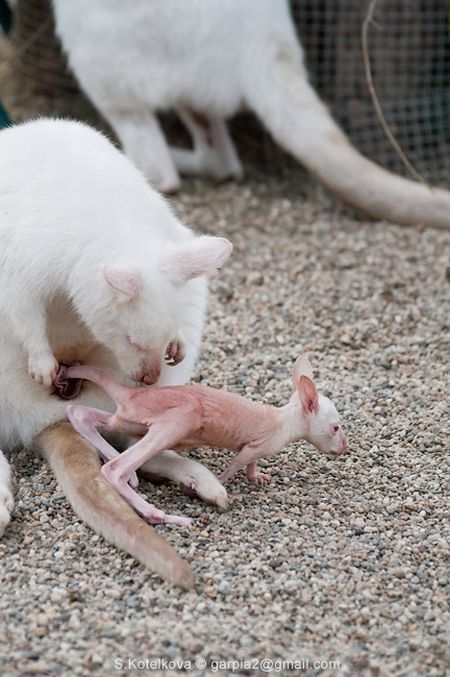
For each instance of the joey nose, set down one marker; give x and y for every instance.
(344, 445)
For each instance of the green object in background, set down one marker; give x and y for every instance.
(4, 119)
(5, 16)
(5, 22)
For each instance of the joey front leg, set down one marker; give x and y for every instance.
(30, 325)
(255, 477)
(248, 456)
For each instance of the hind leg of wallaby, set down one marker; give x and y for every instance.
(192, 476)
(143, 141)
(213, 154)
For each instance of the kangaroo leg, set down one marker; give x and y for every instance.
(213, 154)
(143, 141)
(77, 468)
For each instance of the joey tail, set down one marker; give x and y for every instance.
(76, 466)
(299, 122)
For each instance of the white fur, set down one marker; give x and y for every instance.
(73, 209)
(6, 496)
(190, 474)
(134, 59)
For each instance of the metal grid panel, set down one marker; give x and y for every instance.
(409, 45)
(410, 55)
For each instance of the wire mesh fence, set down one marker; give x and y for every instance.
(409, 47)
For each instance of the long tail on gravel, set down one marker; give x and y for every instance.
(299, 122)
(76, 466)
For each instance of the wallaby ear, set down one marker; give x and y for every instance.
(302, 367)
(200, 256)
(309, 397)
(126, 282)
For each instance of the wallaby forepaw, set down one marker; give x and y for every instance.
(6, 508)
(43, 369)
(175, 352)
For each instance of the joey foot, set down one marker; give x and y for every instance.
(133, 480)
(148, 511)
(43, 368)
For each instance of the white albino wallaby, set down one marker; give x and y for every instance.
(94, 267)
(192, 415)
(207, 59)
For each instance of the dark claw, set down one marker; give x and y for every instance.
(66, 388)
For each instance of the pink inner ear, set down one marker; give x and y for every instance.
(309, 397)
(201, 256)
(122, 280)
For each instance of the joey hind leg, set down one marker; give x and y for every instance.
(148, 511)
(86, 422)
(213, 153)
(6, 495)
(167, 432)
(144, 142)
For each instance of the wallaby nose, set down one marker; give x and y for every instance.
(344, 445)
(151, 373)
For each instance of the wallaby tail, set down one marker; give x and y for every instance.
(290, 108)
(76, 466)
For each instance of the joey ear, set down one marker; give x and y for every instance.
(123, 280)
(201, 256)
(309, 397)
(302, 367)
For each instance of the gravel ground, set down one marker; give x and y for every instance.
(341, 561)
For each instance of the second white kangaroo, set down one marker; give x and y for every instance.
(207, 60)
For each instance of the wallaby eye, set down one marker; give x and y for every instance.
(336, 428)
(134, 345)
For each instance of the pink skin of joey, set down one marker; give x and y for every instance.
(182, 417)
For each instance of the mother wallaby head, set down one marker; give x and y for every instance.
(137, 305)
